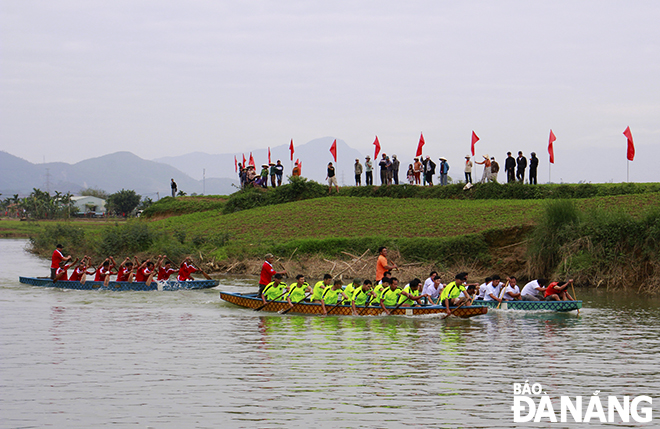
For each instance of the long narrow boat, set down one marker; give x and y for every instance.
(251, 300)
(533, 305)
(120, 286)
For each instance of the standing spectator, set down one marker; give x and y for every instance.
(358, 172)
(395, 169)
(331, 178)
(264, 176)
(486, 163)
(241, 174)
(389, 170)
(509, 167)
(468, 169)
(296, 170)
(272, 171)
(429, 170)
(174, 188)
(410, 174)
(279, 171)
(533, 165)
(417, 170)
(368, 172)
(444, 170)
(522, 165)
(383, 170)
(494, 169)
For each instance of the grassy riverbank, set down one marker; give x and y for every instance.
(317, 235)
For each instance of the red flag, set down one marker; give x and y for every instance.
(474, 140)
(235, 164)
(244, 161)
(269, 155)
(291, 149)
(631, 146)
(419, 146)
(551, 150)
(377, 144)
(333, 149)
(252, 160)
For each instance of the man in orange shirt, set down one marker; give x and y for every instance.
(382, 263)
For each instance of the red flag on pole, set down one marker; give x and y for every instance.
(377, 144)
(235, 164)
(269, 155)
(551, 150)
(631, 146)
(333, 149)
(474, 140)
(244, 161)
(291, 149)
(419, 146)
(252, 160)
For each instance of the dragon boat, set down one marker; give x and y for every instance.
(251, 300)
(168, 285)
(533, 305)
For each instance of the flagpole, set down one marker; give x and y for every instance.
(628, 171)
(549, 173)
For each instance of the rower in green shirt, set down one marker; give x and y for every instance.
(379, 288)
(319, 287)
(451, 293)
(350, 288)
(389, 297)
(298, 290)
(361, 296)
(331, 295)
(410, 295)
(274, 290)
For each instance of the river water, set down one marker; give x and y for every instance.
(81, 359)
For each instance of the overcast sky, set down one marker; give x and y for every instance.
(82, 78)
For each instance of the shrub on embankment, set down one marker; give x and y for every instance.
(608, 247)
(169, 206)
(302, 189)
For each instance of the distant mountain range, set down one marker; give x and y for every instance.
(111, 173)
(314, 156)
(124, 170)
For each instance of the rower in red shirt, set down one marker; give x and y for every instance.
(61, 272)
(104, 271)
(185, 270)
(80, 272)
(125, 271)
(166, 270)
(58, 256)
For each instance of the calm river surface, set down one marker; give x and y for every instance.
(82, 359)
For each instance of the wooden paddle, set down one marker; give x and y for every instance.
(339, 302)
(268, 302)
(294, 304)
(366, 304)
(502, 294)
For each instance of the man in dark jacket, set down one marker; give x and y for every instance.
(509, 167)
(522, 165)
(533, 165)
(429, 170)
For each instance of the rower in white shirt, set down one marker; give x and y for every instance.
(512, 291)
(482, 288)
(434, 289)
(493, 290)
(534, 290)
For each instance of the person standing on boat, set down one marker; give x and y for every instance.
(512, 291)
(267, 272)
(382, 264)
(451, 293)
(58, 256)
(274, 290)
(534, 290)
(174, 188)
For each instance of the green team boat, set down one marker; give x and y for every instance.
(533, 305)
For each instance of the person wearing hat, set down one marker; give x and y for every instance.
(486, 163)
(272, 171)
(267, 272)
(263, 176)
(368, 171)
(56, 258)
(468, 170)
(417, 171)
(444, 171)
(358, 172)
(533, 165)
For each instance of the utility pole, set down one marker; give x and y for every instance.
(204, 181)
